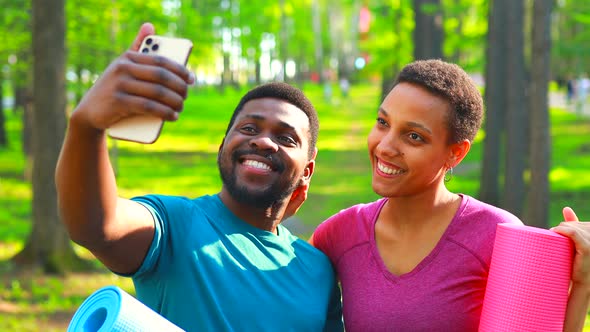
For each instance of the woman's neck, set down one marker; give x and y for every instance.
(418, 211)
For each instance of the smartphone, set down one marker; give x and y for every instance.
(146, 129)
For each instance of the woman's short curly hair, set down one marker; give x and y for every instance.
(453, 84)
(291, 95)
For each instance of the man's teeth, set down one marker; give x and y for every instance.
(388, 170)
(257, 164)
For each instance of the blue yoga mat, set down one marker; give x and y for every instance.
(112, 309)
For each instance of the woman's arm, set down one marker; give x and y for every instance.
(579, 298)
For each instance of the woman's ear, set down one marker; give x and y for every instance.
(458, 151)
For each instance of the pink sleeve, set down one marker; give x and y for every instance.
(324, 234)
(346, 229)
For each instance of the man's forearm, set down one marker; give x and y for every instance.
(86, 187)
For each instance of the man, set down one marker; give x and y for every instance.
(219, 262)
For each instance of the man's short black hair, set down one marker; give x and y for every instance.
(288, 93)
(453, 84)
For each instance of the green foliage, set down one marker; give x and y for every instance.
(389, 41)
(571, 32)
(183, 162)
(465, 25)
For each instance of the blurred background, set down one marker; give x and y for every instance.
(530, 58)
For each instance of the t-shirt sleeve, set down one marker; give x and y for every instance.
(334, 320)
(158, 210)
(343, 230)
(324, 234)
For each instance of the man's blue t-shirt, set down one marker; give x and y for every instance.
(207, 270)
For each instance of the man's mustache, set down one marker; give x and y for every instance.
(272, 158)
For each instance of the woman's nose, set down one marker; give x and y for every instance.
(389, 145)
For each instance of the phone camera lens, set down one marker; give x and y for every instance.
(155, 47)
(148, 41)
(145, 50)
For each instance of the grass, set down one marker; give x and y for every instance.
(183, 162)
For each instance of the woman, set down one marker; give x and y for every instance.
(418, 259)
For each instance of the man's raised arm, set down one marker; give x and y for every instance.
(117, 231)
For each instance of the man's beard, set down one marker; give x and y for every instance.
(277, 192)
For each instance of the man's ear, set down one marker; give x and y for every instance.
(308, 172)
(221, 145)
(458, 151)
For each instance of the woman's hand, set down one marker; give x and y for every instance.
(579, 297)
(579, 233)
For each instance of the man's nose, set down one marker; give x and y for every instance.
(264, 142)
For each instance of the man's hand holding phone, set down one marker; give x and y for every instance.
(136, 86)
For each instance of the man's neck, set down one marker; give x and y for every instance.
(267, 218)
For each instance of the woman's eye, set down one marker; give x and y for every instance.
(415, 137)
(381, 121)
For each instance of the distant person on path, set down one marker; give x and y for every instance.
(582, 88)
(344, 87)
(327, 91)
(571, 90)
(220, 262)
(418, 258)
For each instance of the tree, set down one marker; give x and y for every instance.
(16, 52)
(516, 115)
(538, 199)
(571, 32)
(428, 31)
(389, 41)
(506, 103)
(465, 30)
(3, 138)
(48, 246)
(495, 101)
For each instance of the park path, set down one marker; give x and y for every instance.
(558, 99)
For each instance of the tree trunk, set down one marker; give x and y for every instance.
(27, 133)
(3, 138)
(428, 31)
(80, 86)
(516, 119)
(48, 246)
(21, 95)
(257, 69)
(389, 75)
(456, 55)
(540, 140)
(283, 41)
(226, 74)
(495, 100)
(318, 44)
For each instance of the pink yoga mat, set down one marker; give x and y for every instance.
(528, 282)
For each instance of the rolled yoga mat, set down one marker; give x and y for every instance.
(528, 282)
(112, 309)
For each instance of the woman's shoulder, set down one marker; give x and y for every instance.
(474, 209)
(348, 227)
(364, 211)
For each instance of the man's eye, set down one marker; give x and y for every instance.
(287, 140)
(248, 129)
(381, 121)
